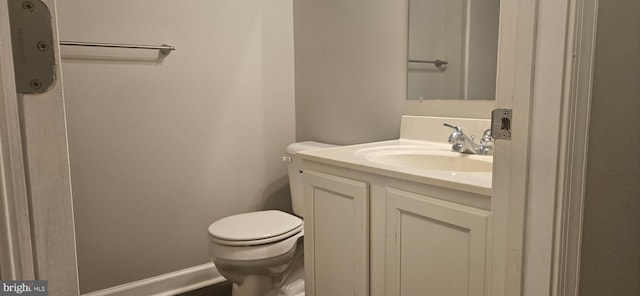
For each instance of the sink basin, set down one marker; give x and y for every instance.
(425, 162)
(428, 159)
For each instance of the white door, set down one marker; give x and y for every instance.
(37, 232)
(537, 74)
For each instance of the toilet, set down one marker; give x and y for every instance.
(261, 253)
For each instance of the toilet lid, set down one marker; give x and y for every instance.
(255, 227)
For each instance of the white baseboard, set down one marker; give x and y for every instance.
(167, 284)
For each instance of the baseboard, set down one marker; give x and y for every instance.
(167, 284)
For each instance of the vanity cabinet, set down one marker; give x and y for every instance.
(370, 234)
(336, 235)
(433, 247)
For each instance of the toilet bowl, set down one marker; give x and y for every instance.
(261, 252)
(256, 250)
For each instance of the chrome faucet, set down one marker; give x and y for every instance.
(464, 144)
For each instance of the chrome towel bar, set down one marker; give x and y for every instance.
(164, 48)
(438, 63)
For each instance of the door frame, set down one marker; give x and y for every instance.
(37, 228)
(15, 243)
(573, 150)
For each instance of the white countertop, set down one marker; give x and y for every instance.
(353, 157)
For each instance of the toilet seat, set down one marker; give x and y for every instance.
(257, 242)
(256, 252)
(255, 228)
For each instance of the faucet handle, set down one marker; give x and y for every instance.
(486, 137)
(452, 126)
(456, 137)
(486, 142)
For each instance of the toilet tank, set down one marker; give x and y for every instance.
(295, 172)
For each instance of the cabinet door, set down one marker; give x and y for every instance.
(336, 235)
(434, 247)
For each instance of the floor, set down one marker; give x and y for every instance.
(220, 289)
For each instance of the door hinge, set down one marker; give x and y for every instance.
(32, 43)
(501, 124)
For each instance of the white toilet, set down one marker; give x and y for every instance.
(261, 253)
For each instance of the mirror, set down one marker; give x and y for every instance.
(452, 50)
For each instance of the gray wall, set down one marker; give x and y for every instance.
(160, 148)
(350, 69)
(610, 263)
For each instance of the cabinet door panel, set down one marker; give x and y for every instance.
(336, 235)
(434, 247)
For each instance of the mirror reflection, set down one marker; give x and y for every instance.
(452, 49)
